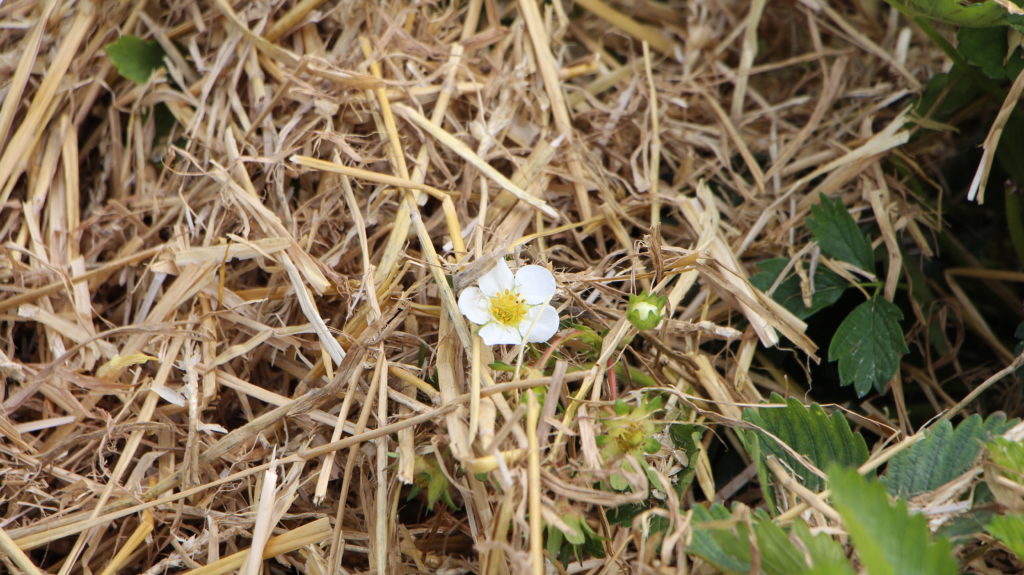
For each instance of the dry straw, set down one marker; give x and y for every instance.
(283, 264)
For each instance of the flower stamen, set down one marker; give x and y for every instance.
(511, 309)
(508, 308)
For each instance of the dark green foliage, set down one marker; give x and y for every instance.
(986, 48)
(838, 235)
(868, 345)
(828, 287)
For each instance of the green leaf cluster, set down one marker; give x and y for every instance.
(984, 66)
(887, 538)
(136, 59)
(869, 343)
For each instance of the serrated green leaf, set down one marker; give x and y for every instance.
(828, 287)
(868, 345)
(135, 58)
(943, 455)
(838, 235)
(1009, 529)
(887, 538)
(808, 430)
(975, 14)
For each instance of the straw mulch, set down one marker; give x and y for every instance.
(241, 337)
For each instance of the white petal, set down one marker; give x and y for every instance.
(540, 323)
(498, 279)
(496, 333)
(535, 284)
(475, 306)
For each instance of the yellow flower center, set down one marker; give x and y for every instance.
(508, 308)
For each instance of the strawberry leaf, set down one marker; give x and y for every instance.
(135, 58)
(887, 538)
(868, 345)
(838, 235)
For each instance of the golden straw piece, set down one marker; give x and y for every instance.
(308, 534)
(456, 145)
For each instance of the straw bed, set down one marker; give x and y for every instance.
(240, 338)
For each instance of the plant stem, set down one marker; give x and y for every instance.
(613, 386)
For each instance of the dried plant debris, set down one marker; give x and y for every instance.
(238, 238)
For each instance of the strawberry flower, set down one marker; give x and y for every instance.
(512, 309)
